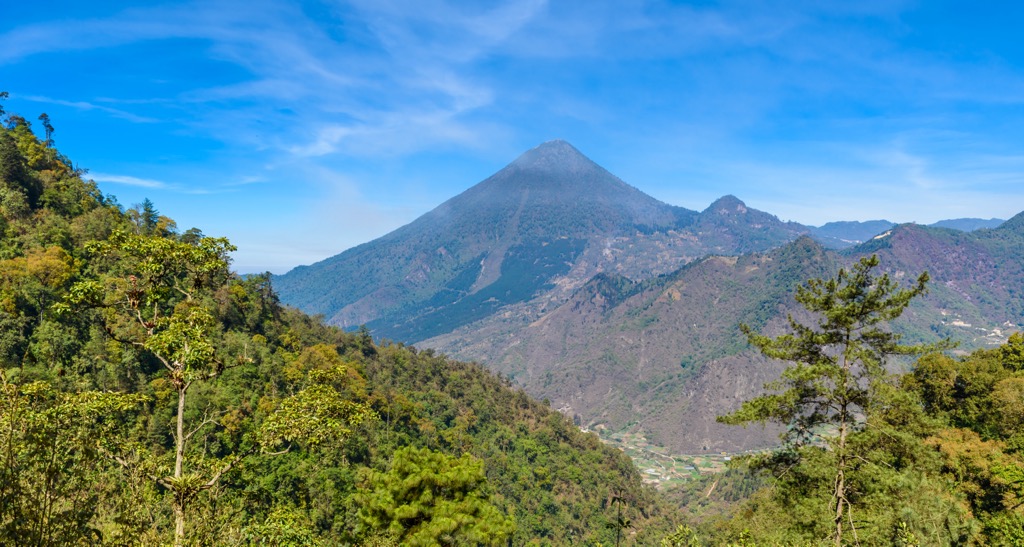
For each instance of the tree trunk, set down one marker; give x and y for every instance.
(179, 523)
(840, 492)
(844, 423)
(179, 456)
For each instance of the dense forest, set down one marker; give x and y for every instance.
(149, 395)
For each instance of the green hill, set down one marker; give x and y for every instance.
(144, 387)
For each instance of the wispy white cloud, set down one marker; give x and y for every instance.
(247, 180)
(398, 63)
(129, 180)
(830, 102)
(222, 187)
(83, 105)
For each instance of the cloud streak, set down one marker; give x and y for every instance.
(421, 67)
(83, 105)
(129, 181)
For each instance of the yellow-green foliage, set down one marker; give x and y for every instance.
(279, 414)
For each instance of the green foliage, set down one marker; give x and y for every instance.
(684, 536)
(553, 480)
(940, 463)
(317, 413)
(283, 528)
(979, 399)
(430, 498)
(1012, 352)
(838, 393)
(982, 393)
(150, 393)
(52, 447)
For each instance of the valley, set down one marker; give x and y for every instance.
(661, 468)
(623, 310)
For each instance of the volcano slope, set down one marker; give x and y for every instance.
(543, 225)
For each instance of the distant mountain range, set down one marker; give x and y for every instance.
(843, 234)
(623, 310)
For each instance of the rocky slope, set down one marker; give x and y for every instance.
(666, 356)
(543, 225)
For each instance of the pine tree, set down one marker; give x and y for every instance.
(838, 375)
(47, 128)
(430, 498)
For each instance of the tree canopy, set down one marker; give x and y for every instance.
(149, 395)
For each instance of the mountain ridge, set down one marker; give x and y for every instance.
(552, 207)
(622, 310)
(666, 352)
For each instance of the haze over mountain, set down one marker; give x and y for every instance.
(843, 234)
(623, 310)
(968, 224)
(548, 221)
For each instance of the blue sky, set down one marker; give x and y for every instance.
(299, 129)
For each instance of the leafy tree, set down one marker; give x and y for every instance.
(14, 121)
(283, 528)
(980, 399)
(319, 412)
(147, 219)
(683, 536)
(838, 376)
(157, 297)
(47, 128)
(51, 445)
(430, 498)
(1012, 352)
(154, 300)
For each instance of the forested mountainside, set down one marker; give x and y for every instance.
(150, 396)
